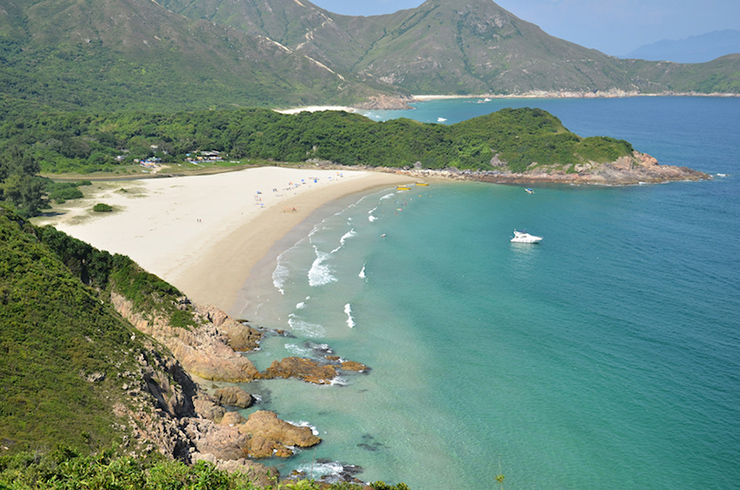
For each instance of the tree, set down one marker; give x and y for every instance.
(19, 185)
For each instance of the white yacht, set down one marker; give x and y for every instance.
(524, 237)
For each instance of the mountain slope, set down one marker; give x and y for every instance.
(109, 54)
(452, 47)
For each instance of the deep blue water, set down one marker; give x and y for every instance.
(608, 356)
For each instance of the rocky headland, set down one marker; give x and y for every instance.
(190, 424)
(635, 169)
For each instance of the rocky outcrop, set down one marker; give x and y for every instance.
(170, 413)
(637, 168)
(269, 436)
(262, 435)
(206, 350)
(233, 396)
(189, 424)
(310, 370)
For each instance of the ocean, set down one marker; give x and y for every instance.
(607, 356)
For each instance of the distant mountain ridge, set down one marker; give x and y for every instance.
(167, 55)
(693, 49)
(452, 47)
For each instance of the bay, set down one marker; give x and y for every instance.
(608, 356)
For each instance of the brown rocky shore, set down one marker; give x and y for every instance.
(191, 424)
(638, 168)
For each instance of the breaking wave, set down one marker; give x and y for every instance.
(350, 319)
(320, 272)
(305, 328)
(351, 233)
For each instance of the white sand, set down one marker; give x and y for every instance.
(203, 234)
(317, 108)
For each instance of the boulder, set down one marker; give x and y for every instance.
(270, 436)
(233, 396)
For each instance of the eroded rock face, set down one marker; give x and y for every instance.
(233, 396)
(203, 351)
(241, 338)
(270, 436)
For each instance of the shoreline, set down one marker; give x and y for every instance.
(402, 103)
(204, 234)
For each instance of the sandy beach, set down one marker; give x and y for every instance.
(204, 234)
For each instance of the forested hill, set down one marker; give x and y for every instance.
(456, 47)
(111, 55)
(66, 142)
(107, 55)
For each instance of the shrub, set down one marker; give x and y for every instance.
(102, 208)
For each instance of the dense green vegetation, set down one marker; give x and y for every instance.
(66, 142)
(55, 334)
(58, 329)
(64, 468)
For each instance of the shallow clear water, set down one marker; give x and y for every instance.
(608, 356)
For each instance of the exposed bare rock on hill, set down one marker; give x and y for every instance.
(241, 338)
(203, 351)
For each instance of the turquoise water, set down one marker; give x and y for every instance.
(608, 356)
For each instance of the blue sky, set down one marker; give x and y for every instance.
(615, 27)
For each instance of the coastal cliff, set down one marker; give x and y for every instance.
(123, 347)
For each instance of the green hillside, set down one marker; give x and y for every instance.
(454, 47)
(61, 350)
(111, 55)
(516, 137)
(114, 54)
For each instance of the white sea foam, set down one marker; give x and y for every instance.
(297, 350)
(362, 272)
(279, 276)
(387, 196)
(301, 305)
(315, 469)
(372, 218)
(303, 423)
(348, 312)
(303, 327)
(339, 381)
(351, 233)
(320, 273)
